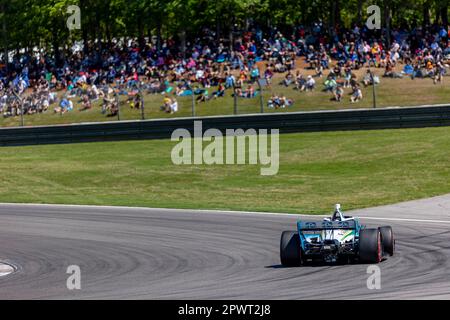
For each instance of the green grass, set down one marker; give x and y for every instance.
(391, 92)
(358, 169)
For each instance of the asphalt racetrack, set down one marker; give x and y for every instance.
(126, 253)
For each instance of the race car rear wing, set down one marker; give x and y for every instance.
(327, 225)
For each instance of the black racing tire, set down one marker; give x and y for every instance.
(290, 251)
(387, 239)
(370, 247)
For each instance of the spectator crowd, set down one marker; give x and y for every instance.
(209, 68)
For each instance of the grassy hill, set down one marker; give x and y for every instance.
(358, 169)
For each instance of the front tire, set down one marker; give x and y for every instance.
(387, 239)
(370, 247)
(290, 251)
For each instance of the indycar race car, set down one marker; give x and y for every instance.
(336, 239)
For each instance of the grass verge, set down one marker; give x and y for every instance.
(358, 169)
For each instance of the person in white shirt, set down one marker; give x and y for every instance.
(3, 101)
(356, 95)
(395, 47)
(395, 57)
(95, 93)
(199, 74)
(174, 106)
(70, 106)
(310, 83)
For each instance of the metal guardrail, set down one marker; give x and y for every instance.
(361, 119)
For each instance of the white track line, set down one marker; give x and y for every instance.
(291, 215)
(406, 220)
(161, 209)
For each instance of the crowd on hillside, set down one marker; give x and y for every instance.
(209, 67)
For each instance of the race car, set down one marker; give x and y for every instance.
(337, 239)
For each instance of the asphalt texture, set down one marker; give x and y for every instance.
(126, 253)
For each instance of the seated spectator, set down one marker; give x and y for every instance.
(330, 84)
(300, 82)
(370, 79)
(242, 78)
(319, 70)
(173, 106)
(250, 92)
(430, 69)
(390, 72)
(86, 103)
(113, 109)
(94, 93)
(277, 102)
(338, 93)
(288, 79)
(271, 102)
(254, 74)
(356, 95)
(66, 105)
(220, 91)
(279, 67)
(439, 72)
(408, 69)
(203, 96)
(347, 77)
(135, 101)
(230, 81)
(43, 105)
(133, 79)
(268, 75)
(109, 101)
(285, 102)
(417, 72)
(310, 84)
(337, 71)
(166, 103)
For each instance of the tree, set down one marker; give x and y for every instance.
(29, 23)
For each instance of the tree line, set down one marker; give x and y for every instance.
(26, 24)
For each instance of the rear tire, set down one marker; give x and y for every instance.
(387, 239)
(370, 247)
(290, 251)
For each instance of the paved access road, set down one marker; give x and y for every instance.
(137, 253)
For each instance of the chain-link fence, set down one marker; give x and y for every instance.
(259, 96)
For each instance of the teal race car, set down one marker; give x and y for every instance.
(336, 239)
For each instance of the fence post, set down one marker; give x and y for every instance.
(118, 106)
(373, 91)
(22, 121)
(235, 107)
(141, 95)
(261, 98)
(193, 99)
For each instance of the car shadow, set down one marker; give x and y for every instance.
(278, 266)
(318, 264)
(311, 265)
(314, 264)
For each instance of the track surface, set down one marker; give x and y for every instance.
(171, 254)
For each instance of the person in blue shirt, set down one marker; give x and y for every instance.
(254, 74)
